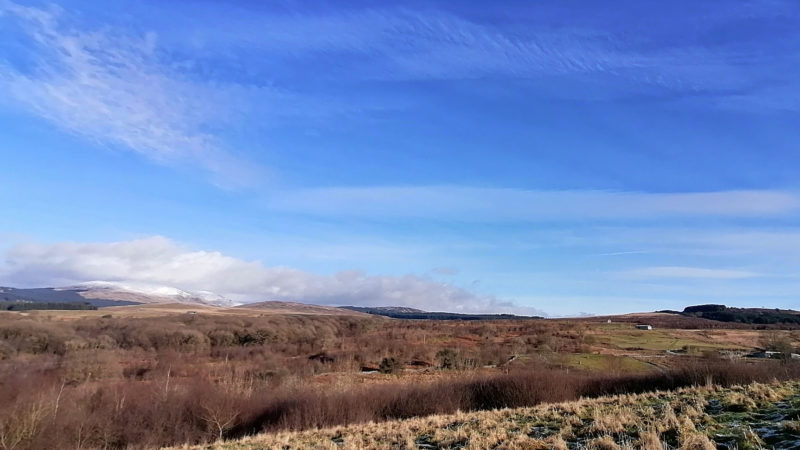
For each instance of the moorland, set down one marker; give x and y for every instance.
(146, 376)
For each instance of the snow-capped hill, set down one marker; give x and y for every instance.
(212, 298)
(145, 293)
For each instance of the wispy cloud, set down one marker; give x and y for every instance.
(688, 272)
(403, 43)
(120, 88)
(757, 242)
(497, 204)
(160, 261)
(112, 87)
(622, 253)
(607, 60)
(445, 271)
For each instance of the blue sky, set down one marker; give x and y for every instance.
(558, 157)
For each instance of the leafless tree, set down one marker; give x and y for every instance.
(21, 424)
(220, 416)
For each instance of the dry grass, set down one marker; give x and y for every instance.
(644, 421)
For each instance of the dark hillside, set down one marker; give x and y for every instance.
(412, 314)
(758, 316)
(54, 296)
(21, 305)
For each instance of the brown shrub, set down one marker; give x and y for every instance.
(141, 383)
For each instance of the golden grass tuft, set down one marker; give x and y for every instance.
(649, 440)
(697, 441)
(603, 443)
(736, 400)
(558, 443)
(604, 422)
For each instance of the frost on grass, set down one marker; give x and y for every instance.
(690, 419)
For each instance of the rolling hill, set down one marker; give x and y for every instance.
(104, 294)
(396, 312)
(761, 316)
(279, 307)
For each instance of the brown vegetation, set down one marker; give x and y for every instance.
(697, 418)
(113, 381)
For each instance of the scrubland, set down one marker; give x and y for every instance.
(148, 377)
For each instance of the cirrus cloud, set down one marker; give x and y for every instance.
(112, 87)
(507, 204)
(689, 272)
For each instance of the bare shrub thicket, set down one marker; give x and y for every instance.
(141, 383)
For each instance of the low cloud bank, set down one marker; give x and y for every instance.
(161, 261)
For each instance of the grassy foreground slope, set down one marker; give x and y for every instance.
(751, 416)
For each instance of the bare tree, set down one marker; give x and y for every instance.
(777, 341)
(21, 424)
(220, 416)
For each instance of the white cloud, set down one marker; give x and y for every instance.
(764, 244)
(688, 272)
(499, 204)
(113, 88)
(160, 261)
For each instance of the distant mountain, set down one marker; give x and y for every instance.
(397, 312)
(103, 294)
(279, 307)
(142, 293)
(390, 309)
(55, 296)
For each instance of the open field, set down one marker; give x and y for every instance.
(153, 375)
(601, 363)
(749, 416)
(624, 337)
(674, 320)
